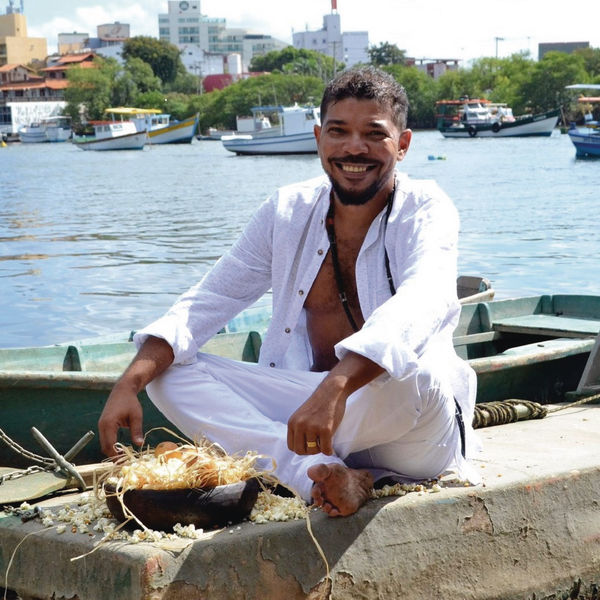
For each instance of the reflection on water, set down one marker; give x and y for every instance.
(97, 242)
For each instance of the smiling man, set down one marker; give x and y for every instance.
(357, 381)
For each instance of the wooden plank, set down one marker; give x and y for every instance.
(550, 325)
(37, 485)
(476, 338)
(590, 379)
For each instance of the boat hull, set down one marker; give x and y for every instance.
(536, 125)
(33, 135)
(587, 143)
(181, 132)
(300, 143)
(131, 141)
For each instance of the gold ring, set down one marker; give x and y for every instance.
(311, 444)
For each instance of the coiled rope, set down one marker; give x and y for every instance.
(509, 411)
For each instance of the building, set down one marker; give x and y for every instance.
(69, 43)
(15, 46)
(201, 39)
(566, 47)
(434, 67)
(349, 48)
(27, 98)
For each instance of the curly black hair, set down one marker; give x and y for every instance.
(368, 83)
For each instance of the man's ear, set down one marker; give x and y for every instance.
(317, 131)
(404, 143)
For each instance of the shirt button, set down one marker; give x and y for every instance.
(271, 364)
(287, 329)
(301, 292)
(319, 251)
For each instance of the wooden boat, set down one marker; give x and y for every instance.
(294, 135)
(478, 117)
(113, 135)
(158, 125)
(535, 514)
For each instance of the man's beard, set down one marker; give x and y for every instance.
(356, 198)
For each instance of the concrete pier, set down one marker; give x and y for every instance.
(529, 531)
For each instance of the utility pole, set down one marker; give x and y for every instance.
(498, 39)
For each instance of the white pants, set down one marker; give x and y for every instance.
(391, 427)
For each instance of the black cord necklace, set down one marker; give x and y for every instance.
(329, 226)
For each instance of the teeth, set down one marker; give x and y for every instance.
(354, 169)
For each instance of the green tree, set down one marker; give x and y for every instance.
(421, 91)
(90, 90)
(545, 87)
(591, 57)
(163, 57)
(386, 54)
(142, 75)
(296, 61)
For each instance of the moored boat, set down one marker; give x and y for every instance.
(160, 128)
(586, 138)
(535, 513)
(293, 135)
(478, 117)
(50, 129)
(113, 135)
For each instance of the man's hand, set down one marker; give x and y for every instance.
(122, 408)
(312, 426)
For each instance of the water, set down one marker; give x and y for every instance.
(93, 243)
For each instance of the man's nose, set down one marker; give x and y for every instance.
(355, 144)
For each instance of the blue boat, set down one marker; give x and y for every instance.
(586, 140)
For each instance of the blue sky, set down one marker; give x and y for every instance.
(424, 28)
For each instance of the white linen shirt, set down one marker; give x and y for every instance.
(282, 248)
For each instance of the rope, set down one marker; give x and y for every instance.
(43, 460)
(509, 411)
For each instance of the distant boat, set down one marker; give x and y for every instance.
(293, 135)
(113, 135)
(159, 126)
(586, 138)
(50, 129)
(476, 117)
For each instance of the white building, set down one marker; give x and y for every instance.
(349, 47)
(201, 38)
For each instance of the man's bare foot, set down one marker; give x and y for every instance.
(338, 490)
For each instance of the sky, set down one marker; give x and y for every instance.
(423, 28)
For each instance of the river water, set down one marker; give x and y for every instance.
(93, 243)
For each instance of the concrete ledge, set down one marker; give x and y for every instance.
(530, 531)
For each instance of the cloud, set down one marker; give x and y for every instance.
(142, 18)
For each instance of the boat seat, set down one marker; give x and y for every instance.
(530, 354)
(550, 325)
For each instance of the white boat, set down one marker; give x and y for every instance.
(33, 134)
(475, 117)
(293, 135)
(50, 129)
(159, 126)
(113, 135)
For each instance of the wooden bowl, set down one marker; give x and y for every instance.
(202, 507)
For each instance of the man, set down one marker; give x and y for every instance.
(357, 378)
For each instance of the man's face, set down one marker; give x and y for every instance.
(359, 146)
